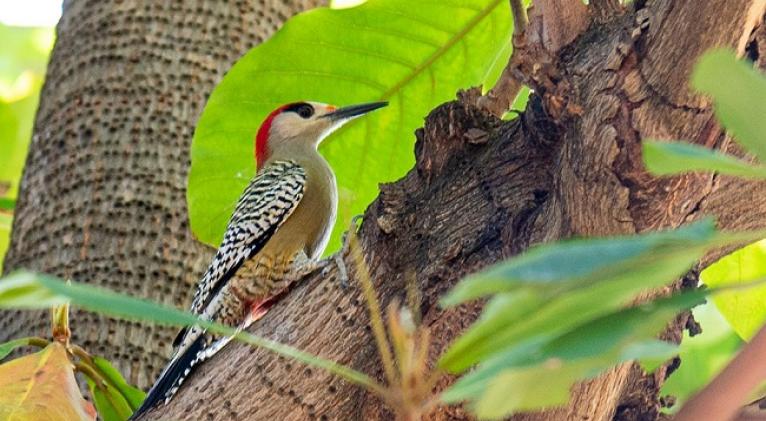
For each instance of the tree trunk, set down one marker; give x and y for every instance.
(553, 173)
(103, 194)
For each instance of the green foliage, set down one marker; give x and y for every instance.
(737, 92)
(132, 395)
(743, 309)
(667, 158)
(22, 65)
(557, 315)
(9, 346)
(702, 356)
(20, 290)
(30, 291)
(540, 373)
(413, 54)
(115, 399)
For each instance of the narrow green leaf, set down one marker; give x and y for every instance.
(416, 55)
(665, 158)
(22, 290)
(132, 395)
(9, 346)
(738, 91)
(41, 290)
(110, 404)
(569, 264)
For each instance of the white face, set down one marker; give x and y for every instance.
(303, 122)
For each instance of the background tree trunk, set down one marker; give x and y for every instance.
(102, 198)
(110, 153)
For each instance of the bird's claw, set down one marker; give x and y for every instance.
(342, 271)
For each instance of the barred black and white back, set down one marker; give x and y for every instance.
(270, 198)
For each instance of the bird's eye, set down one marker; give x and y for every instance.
(305, 111)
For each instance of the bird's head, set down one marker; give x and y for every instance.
(303, 124)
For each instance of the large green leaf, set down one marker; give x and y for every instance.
(413, 54)
(744, 309)
(738, 91)
(666, 158)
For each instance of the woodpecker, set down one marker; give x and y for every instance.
(280, 226)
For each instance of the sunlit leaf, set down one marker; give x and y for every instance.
(744, 309)
(702, 356)
(42, 386)
(738, 91)
(416, 55)
(665, 158)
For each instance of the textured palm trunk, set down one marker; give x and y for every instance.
(103, 194)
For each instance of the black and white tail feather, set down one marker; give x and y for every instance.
(270, 198)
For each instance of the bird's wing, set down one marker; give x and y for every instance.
(264, 206)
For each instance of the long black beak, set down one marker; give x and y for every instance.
(354, 110)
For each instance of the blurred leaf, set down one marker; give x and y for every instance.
(540, 373)
(702, 356)
(7, 204)
(23, 60)
(110, 404)
(32, 290)
(42, 386)
(414, 54)
(563, 266)
(24, 50)
(738, 91)
(744, 308)
(9, 346)
(664, 158)
(5, 221)
(22, 290)
(562, 285)
(132, 395)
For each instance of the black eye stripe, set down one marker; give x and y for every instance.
(303, 109)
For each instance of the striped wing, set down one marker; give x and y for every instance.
(265, 204)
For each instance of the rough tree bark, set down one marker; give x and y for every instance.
(103, 194)
(482, 190)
